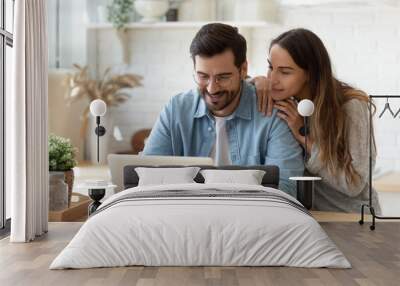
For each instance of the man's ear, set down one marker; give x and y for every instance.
(243, 70)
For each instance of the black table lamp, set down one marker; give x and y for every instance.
(98, 108)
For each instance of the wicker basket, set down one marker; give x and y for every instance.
(69, 180)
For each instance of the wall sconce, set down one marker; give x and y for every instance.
(305, 184)
(98, 108)
(305, 109)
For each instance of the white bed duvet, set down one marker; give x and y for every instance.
(201, 224)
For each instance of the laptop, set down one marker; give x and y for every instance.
(117, 162)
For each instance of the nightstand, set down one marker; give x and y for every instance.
(305, 190)
(96, 191)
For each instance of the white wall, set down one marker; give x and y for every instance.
(364, 45)
(72, 36)
(363, 41)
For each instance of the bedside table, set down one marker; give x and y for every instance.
(305, 190)
(96, 191)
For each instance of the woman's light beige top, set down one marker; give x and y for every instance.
(333, 193)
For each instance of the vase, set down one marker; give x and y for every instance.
(69, 180)
(123, 37)
(58, 192)
(151, 10)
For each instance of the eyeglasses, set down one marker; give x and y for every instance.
(221, 80)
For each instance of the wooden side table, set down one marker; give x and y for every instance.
(76, 212)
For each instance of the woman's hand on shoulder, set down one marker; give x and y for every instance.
(287, 110)
(265, 102)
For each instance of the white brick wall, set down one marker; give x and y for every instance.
(364, 44)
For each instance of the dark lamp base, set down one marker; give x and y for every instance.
(96, 195)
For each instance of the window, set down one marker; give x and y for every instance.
(6, 44)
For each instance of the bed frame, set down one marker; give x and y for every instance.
(270, 179)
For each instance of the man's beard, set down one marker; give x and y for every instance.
(213, 101)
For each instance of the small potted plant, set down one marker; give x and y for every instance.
(61, 161)
(119, 13)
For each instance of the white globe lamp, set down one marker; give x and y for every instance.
(98, 108)
(305, 107)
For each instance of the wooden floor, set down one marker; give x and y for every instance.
(374, 255)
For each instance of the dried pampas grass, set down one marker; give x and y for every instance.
(110, 89)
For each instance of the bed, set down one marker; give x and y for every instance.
(201, 224)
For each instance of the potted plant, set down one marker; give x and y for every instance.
(61, 161)
(119, 12)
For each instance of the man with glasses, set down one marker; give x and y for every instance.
(219, 118)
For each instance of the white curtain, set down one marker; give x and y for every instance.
(26, 129)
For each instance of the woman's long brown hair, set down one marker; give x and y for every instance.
(328, 123)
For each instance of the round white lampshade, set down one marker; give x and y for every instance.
(98, 107)
(305, 107)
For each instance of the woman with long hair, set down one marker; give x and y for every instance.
(338, 143)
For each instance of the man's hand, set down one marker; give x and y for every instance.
(287, 110)
(264, 100)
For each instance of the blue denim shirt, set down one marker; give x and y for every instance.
(186, 127)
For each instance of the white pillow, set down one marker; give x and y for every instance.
(166, 176)
(248, 177)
